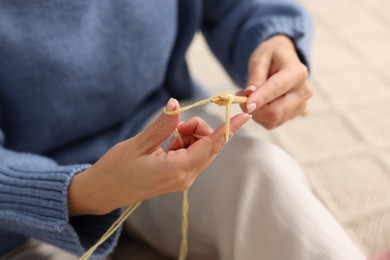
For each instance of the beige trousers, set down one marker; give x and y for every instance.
(36, 250)
(251, 204)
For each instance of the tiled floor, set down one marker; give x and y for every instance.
(344, 142)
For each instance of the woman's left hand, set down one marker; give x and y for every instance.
(278, 87)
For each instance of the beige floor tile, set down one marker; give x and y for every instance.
(320, 9)
(318, 136)
(334, 57)
(376, 7)
(318, 102)
(375, 52)
(361, 183)
(385, 156)
(353, 86)
(373, 120)
(357, 25)
(373, 232)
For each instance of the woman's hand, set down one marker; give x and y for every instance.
(277, 87)
(138, 168)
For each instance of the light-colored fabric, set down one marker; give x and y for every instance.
(33, 249)
(252, 203)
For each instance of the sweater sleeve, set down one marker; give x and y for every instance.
(234, 28)
(33, 203)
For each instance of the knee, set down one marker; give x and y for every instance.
(262, 159)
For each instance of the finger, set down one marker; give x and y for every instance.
(201, 153)
(160, 129)
(243, 94)
(276, 86)
(282, 109)
(258, 70)
(190, 162)
(194, 126)
(297, 112)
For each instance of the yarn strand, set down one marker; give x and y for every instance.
(111, 230)
(184, 227)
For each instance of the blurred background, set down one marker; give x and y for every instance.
(343, 144)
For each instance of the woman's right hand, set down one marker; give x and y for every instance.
(138, 168)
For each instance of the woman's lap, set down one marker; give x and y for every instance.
(253, 202)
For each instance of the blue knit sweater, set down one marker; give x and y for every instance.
(76, 77)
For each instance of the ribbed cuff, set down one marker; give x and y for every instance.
(33, 202)
(295, 27)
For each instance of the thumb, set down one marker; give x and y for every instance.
(160, 129)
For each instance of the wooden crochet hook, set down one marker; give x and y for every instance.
(240, 100)
(225, 98)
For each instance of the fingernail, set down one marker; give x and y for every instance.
(171, 105)
(251, 107)
(250, 89)
(248, 118)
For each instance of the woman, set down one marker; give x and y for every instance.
(78, 82)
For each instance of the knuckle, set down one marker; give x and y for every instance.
(217, 147)
(182, 179)
(160, 124)
(262, 99)
(180, 176)
(274, 115)
(232, 131)
(197, 120)
(121, 148)
(309, 91)
(186, 183)
(278, 88)
(303, 72)
(177, 176)
(269, 126)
